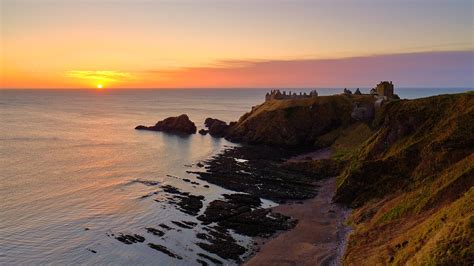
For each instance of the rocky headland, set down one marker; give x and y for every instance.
(406, 167)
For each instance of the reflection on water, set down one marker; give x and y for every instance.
(70, 161)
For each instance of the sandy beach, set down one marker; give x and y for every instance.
(318, 238)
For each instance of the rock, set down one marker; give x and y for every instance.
(164, 250)
(130, 239)
(141, 127)
(187, 203)
(203, 132)
(165, 226)
(221, 243)
(240, 213)
(262, 175)
(155, 231)
(213, 260)
(357, 92)
(209, 121)
(178, 124)
(201, 262)
(298, 123)
(147, 182)
(363, 112)
(217, 128)
(91, 250)
(182, 225)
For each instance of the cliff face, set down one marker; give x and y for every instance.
(296, 122)
(412, 183)
(408, 173)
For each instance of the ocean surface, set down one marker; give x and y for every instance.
(72, 168)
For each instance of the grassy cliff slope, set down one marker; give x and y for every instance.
(411, 183)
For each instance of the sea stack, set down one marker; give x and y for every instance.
(178, 124)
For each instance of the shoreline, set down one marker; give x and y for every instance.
(319, 238)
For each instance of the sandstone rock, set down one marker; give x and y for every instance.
(178, 124)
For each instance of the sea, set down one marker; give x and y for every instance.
(74, 173)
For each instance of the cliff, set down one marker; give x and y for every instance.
(295, 122)
(407, 170)
(412, 183)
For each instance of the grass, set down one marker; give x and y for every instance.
(412, 182)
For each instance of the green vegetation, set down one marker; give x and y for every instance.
(409, 173)
(411, 183)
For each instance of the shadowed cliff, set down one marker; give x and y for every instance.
(296, 122)
(407, 169)
(412, 184)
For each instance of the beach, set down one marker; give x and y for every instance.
(318, 238)
(320, 235)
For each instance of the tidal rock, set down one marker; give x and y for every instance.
(240, 213)
(218, 241)
(178, 124)
(187, 203)
(130, 239)
(209, 121)
(164, 250)
(155, 231)
(217, 128)
(213, 260)
(182, 225)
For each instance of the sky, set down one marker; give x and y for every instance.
(235, 43)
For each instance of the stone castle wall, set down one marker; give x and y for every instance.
(279, 95)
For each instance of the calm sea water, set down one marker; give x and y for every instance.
(70, 160)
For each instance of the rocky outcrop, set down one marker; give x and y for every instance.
(179, 124)
(290, 123)
(216, 127)
(363, 111)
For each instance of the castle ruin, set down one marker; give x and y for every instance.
(384, 88)
(278, 95)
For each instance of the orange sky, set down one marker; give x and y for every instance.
(262, 43)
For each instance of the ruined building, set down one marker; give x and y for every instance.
(278, 95)
(384, 88)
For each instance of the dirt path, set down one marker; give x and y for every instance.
(318, 238)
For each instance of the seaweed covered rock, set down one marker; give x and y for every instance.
(179, 124)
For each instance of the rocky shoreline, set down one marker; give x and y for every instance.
(263, 171)
(254, 173)
(377, 163)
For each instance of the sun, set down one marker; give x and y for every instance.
(99, 86)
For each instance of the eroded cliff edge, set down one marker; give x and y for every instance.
(407, 169)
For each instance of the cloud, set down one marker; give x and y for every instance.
(423, 69)
(102, 75)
